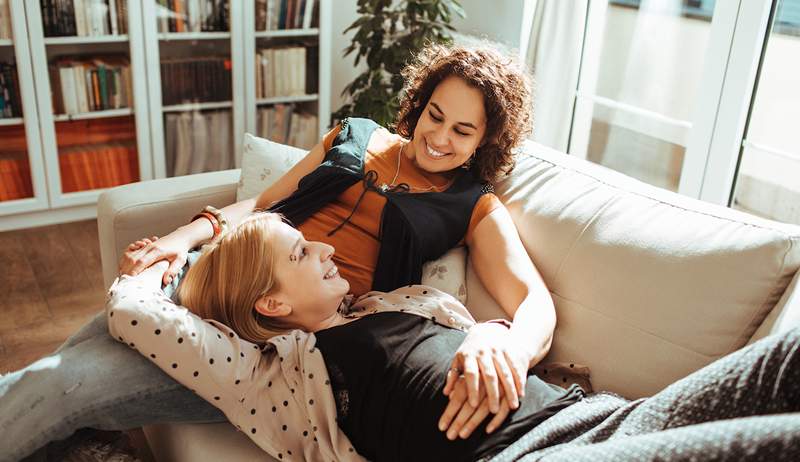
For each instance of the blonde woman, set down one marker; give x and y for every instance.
(309, 375)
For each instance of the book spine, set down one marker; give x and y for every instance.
(64, 172)
(282, 15)
(112, 17)
(103, 79)
(308, 13)
(98, 102)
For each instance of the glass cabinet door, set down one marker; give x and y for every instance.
(284, 78)
(88, 112)
(191, 77)
(22, 182)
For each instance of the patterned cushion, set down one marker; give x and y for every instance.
(263, 162)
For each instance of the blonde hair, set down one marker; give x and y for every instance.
(232, 273)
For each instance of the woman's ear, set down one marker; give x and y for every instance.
(270, 306)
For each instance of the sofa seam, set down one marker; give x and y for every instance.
(580, 235)
(786, 234)
(629, 324)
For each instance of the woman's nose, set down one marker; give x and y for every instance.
(440, 137)
(326, 251)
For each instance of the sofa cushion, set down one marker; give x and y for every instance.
(264, 161)
(649, 285)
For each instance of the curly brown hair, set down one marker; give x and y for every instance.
(506, 88)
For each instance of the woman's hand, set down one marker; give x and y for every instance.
(490, 357)
(460, 419)
(145, 252)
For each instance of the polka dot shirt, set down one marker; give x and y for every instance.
(279, 395)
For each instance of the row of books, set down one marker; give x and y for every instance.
(10, 99)
(193, 15)
(15, 177)
(286, 14)
(195, 79)
(284, 123)
(199, 142)
(90, 84)
(67, 18)
(98, 166)
(5, 20)
(280, 72)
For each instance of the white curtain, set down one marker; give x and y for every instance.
(554, 55)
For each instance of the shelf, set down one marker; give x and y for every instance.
(194, 36)
(6, 43)
(77, 40)
(197, 106)
(93, 115)
(287, 33)
(286, 99)
(11, 121)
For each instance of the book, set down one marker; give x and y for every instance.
(113, 20)
(308, 13)
(80, 17)
(67, 79)
(5, 20)
(261, 14)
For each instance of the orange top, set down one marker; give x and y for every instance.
(357, 247)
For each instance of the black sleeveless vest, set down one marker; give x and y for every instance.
(415, 227)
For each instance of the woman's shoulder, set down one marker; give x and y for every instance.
(382, 141)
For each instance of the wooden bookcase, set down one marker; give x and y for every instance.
(155, 47)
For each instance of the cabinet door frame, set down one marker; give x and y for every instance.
(30, 120)
(47, 130)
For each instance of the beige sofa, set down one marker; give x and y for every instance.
(648, 285)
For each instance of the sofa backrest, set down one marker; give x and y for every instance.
(648, 285)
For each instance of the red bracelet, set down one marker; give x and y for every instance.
(212, 219)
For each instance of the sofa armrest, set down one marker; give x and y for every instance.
(785, 315)
(156, 207)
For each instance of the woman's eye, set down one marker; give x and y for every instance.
(459, 133)
(437, 119)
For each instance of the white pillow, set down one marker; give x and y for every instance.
(448, 273)
(264, 161)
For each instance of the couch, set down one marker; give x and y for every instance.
(648, 285)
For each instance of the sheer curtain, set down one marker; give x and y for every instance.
(554, 55)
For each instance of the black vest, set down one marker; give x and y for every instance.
(415, 227)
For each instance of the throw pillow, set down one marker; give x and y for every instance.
(263, 162)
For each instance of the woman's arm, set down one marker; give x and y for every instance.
(491, 353)
(173, 247)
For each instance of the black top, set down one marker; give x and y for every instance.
(388, 371)
(415, 228)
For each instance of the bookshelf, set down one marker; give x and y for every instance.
(92, 114)
(186, 65)
(287, 91)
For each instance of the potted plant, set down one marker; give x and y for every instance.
(387, 35)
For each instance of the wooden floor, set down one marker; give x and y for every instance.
(51, 283)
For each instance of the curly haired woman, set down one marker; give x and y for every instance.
(388, 203)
